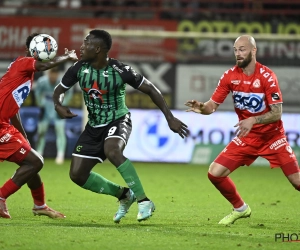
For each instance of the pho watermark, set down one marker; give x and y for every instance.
(287, 237)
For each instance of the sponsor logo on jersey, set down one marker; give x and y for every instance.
(236, 82)
(78, 148)
(117, 68)
(21, 92)
(86, 71)
(94, 92)
(279, 143)
(237, 141)
(253, 102)
(289, 149)
(247, 82)
(105, 73)
(22, 151)
(5, 137)
(268, 76)
(105, 106)
(256, 83)
(275, 97)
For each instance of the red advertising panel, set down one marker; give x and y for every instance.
(69, 33)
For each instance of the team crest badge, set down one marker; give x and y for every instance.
(256, 83)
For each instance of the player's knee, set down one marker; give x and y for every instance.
(37, 163)
(74, 177)
(294, 179)
(215, 179)
(77, 178)
(114, 154)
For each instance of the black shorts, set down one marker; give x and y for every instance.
(91, 141)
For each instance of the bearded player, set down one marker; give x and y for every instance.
(15, 86)
(258, 103)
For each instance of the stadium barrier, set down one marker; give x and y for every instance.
(152, 141)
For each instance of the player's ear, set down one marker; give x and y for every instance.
(254, 51)
(98, 49)
(27, 51)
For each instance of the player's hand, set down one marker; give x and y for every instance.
(64, 112)
(72, 54)
(178, 127)
(244, 127)
(194, 106)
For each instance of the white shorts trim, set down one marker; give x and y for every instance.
(88, 157)
(115, 136)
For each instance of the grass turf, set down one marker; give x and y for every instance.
(187, 215)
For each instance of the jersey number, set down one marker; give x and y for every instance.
(112, 130)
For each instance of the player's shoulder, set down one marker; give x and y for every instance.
(23, 59)
(265, 74)
(77, 66)
(263, 69)
(232, 72)
(118, 65)
(18, 63)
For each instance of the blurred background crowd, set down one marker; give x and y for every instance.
(158, 9)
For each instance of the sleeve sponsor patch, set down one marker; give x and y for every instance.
(275, 97)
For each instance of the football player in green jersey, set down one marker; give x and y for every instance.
(103, 81)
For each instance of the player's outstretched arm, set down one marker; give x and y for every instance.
(63, 111)
(206, 108)
(175, 124)
(68, 56)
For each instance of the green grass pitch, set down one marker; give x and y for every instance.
(187, 215)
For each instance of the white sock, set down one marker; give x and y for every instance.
(242, 208)
(39, 207)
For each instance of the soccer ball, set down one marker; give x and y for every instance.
(43, 47)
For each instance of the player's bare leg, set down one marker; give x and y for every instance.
(29, 167)
(218, 175)
(38, 194)
(292, 172)
(294, 179)
(27, 173)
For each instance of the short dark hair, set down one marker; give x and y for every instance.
(104, 36)
(29, 39)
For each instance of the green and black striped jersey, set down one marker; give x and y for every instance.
(103, 89)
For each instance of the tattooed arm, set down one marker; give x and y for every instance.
(272, 116)
(244, 126)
